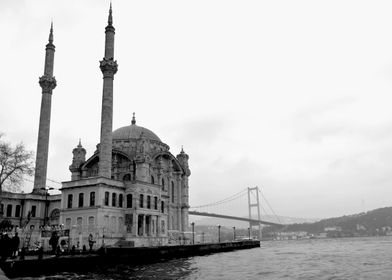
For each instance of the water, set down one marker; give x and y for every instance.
(348, 258)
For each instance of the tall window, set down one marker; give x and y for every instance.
(33, 211)
(92, 199)
(106, 198)
(155, 203)
(17, 211)
(152, 179)
(120, 200)
(163, 183)
(9, 210)
(129, 200)
(114, 198)
(1, 208)
(172, 192)
(81, 199)
(162, 206)
(69, 204)
(141, 198)
(148, 201)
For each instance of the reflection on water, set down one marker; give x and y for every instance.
(349, 258)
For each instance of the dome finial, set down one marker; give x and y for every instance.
(80, 143)
(182, 149)
(133, 118)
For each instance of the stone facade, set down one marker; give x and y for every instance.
(144, 203)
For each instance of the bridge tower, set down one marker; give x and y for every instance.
(254, 202)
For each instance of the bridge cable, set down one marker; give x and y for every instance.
(276, 216)
(228, 199)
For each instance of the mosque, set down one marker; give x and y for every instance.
(132, 191)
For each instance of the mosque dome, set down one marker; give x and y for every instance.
(134, 131)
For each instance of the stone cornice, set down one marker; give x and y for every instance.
(93, 182)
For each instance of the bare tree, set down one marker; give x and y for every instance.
(15, 162)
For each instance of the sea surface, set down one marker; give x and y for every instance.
(345, 258)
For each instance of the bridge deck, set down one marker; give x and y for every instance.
(205, 214)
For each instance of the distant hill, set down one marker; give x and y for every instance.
(373, 222)
(239, 224)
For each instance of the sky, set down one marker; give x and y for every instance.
(291, 96)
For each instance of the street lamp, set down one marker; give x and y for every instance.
(219, 226)
(193, 232)
(233, 233)
(249, 232)
(46, 203)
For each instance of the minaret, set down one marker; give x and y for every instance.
(108, 67)
(47, 83)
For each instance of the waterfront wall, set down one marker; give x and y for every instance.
(32, 266)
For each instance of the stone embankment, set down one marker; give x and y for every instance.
(32, 266)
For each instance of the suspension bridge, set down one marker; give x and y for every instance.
(252, 197)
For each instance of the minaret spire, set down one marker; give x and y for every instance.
(51, 33)
(108, 67)
(110, 17)
(47, 83)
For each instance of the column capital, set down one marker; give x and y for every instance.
(108, 67)
(47, 83)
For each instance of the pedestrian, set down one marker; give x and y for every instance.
(91, 241)
(53, 241)
(15, 245)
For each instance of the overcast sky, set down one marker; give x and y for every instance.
(290, 96)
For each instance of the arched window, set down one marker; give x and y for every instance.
(106, 198)
(162, 206)
(81, 198)
(148, 202)
(152, 179)
(120, 200)
(92, 199)
(129, 200)
(163, 183)
(69, 204)
(114, 199)
(79, 223)
(155, 203)
(68, 223)
(127, 177)
(172, 196)
(141, 198)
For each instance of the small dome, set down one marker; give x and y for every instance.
(134, 131)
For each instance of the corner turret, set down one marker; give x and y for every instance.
(183, 159)
(79, 157)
